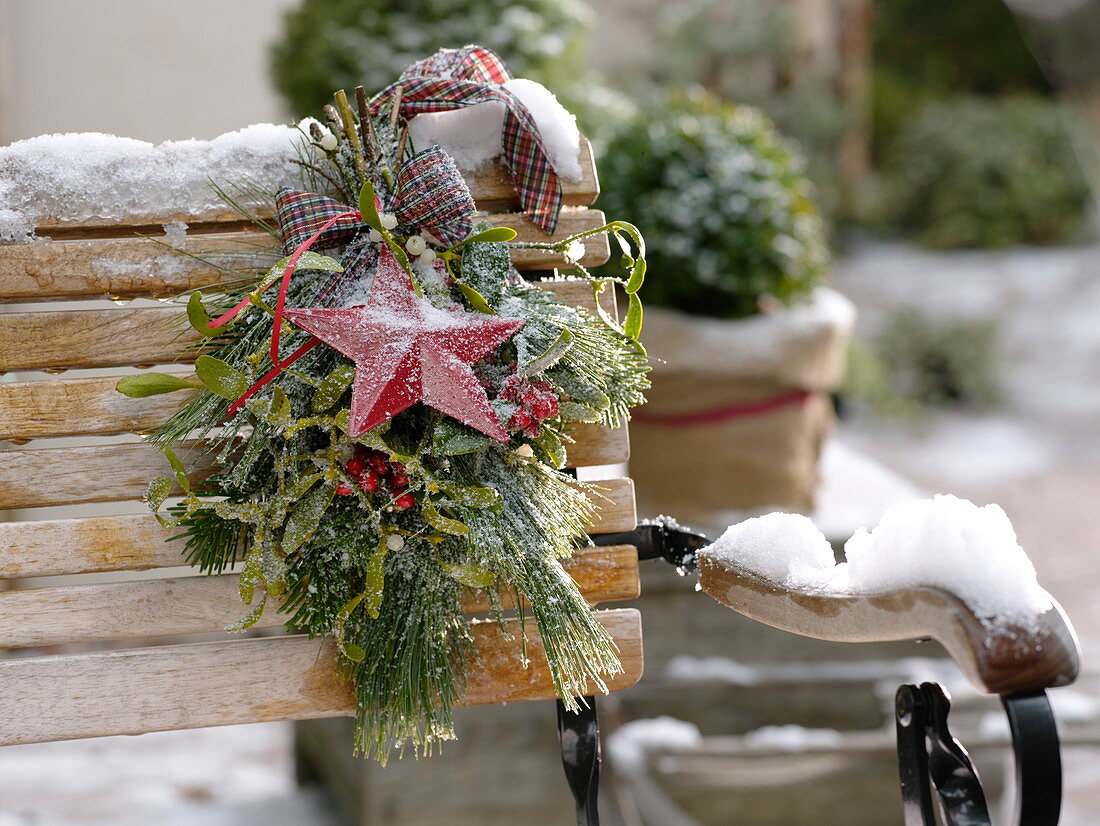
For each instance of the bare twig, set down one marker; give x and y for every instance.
(395, 109)
(366, 127)
(339, 187)
(401, 145)
(348, 119)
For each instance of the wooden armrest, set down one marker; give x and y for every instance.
(996, 660)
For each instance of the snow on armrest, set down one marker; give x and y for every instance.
(940, 568)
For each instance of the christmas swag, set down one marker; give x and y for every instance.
(388, 427)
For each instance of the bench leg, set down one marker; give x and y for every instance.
(579, 734)
(935, 767)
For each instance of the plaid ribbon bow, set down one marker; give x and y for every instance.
(429, 194)
(455, 78)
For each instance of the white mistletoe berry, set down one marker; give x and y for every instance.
(395, 542)
(375, 236)
(428, 256)
(329, 142)
(416, 245)
(388, 220)
(525, 451)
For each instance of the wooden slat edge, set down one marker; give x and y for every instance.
(139, 267)
(208, 604)
(129, 542)
(65, 339)
(109, 473)
(491, 187)
(249, 681)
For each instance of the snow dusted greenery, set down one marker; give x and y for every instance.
(724, 201)
(333, 44)
(943, 542)
(381, 568)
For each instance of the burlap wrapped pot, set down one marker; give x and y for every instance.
(739, 409)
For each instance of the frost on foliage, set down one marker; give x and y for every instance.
(943, 542)
(83, 176)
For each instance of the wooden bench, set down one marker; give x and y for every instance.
(129, 675)
(96, 651)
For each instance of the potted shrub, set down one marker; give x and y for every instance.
(745, 342)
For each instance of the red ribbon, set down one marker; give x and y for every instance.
(723, 414)
(280, 306)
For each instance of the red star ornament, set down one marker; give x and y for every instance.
(407, 350)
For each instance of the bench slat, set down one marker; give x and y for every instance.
(249, 681)
(139, 267)
(491, 187)
(62, 339)
(137, 541)
(108, 473)
(204, 604)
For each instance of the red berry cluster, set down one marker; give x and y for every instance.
(536, 402)
(372, 469)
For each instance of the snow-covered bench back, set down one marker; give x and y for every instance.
(70, 211)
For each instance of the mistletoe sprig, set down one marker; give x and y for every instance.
(373, 537)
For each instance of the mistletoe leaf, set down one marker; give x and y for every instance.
(632, 326)
(354, 653)
(451, 438)
(196, 315)
(279, 412)
(310, 260)
(251, 573)
(368, 210)
(305, 517)
(496, 234)
(441, 523)
(579, 412)
(470, 575)
(551, 448)
(221, 379)
(469, 496)
(551, 355)
(637, 277)
(177, 468)
(274, 571)
(332, 386)
(251, 618)
(158, 491)
(474, 298)
(375, 578)
(153, 384)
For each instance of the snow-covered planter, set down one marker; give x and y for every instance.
(738, 409)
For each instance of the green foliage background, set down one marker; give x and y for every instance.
(334, 44)
(723, 202)
(986, 172)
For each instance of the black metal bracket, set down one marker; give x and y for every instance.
(660, 539)
(929, 757)
(579, 734)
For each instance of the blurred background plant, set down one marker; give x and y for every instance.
(970, 48)
(723, 201)
(985, 172)
(918, 360)
(340, 44)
